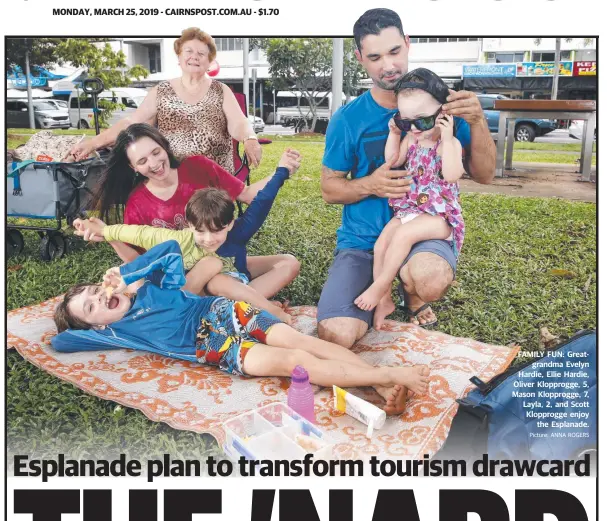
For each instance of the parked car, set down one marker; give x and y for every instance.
(60, 104)
(81, 107)
(46, 115)
(257, 122)
(576, 129)
(525, 129)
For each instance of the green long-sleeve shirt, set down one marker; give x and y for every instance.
(148, 236)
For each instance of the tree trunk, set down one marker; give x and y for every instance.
(557, 70)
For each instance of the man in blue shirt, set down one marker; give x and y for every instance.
(355, 144)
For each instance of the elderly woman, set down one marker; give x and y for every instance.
(196, 114)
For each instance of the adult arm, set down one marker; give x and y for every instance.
(339, 159)
(143, 114)
(482, 154)
(239, 126)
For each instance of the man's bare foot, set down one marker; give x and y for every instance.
(425, 316)
(371, 297)
(384, 308)
(396, 398)
(415, 378)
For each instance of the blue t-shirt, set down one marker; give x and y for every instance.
(163, 319)
(355, 143)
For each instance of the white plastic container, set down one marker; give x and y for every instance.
(273, 432)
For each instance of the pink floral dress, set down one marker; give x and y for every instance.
(430, 193)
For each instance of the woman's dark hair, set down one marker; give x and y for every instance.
(374, 21)
(119, 178)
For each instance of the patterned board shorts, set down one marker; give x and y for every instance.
(228, 331)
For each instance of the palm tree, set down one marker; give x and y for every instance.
(557, 61)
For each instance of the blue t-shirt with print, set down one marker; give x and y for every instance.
(355, 143)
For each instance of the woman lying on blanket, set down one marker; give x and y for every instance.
(162, 318)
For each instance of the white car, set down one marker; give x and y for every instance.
(257, 123)
(576, 129)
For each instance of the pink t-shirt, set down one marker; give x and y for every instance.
(194, 173)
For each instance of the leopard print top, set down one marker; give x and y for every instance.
(199, 129)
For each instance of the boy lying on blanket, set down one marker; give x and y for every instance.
(162, 318)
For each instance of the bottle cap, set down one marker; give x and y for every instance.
(370, 429)
(299, 374)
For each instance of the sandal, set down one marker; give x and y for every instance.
(404, 307)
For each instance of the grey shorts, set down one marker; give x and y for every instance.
(352, 273)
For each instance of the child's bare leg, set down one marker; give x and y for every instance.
(233, 289)
(385, 305)
(271, 273)
(202, 272)
(264, 360)
(281, 335)
(423, 228)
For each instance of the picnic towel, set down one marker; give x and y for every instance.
(200, 398)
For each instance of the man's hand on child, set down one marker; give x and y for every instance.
(113, 281)
(445, 125)
(384, 182)
(291, 160)
(89, 229)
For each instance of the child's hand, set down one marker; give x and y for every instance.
(113, 282)
(291, 160)
(90, 229)
(393, 128)
(445, 124)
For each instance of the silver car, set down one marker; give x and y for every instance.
(46, 115)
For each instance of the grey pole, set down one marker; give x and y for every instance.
(261, 99)
(557, 70)
(254, 78)
(337, 74)
(28, 82)
(274, 93)
(245, 70)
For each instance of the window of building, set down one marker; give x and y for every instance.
(423, 40)
(228, 44)
(154, 58)
(432, 40)
(565, 56)
(473, 39)
(505, 57)
(542, 56)
(414, 40)
(453, 39)
(443, 39)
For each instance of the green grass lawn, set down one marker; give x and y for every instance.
(504, 293)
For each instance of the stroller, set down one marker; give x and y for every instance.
(51, 190)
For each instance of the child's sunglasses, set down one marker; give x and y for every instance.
(423, 124)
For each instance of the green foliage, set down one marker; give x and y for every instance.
(94, 54)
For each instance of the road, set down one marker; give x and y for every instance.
(556, 136)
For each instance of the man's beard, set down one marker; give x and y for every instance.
(389, 85)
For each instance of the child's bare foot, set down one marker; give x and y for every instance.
(415, 378)
(396, 398)
(284, 317)
(279, 304)
(384, 308)
(371, 297)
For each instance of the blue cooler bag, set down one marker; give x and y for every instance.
(544, 409)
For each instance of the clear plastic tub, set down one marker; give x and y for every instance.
(273, 432)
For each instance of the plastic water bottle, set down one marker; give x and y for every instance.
(301, 396)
